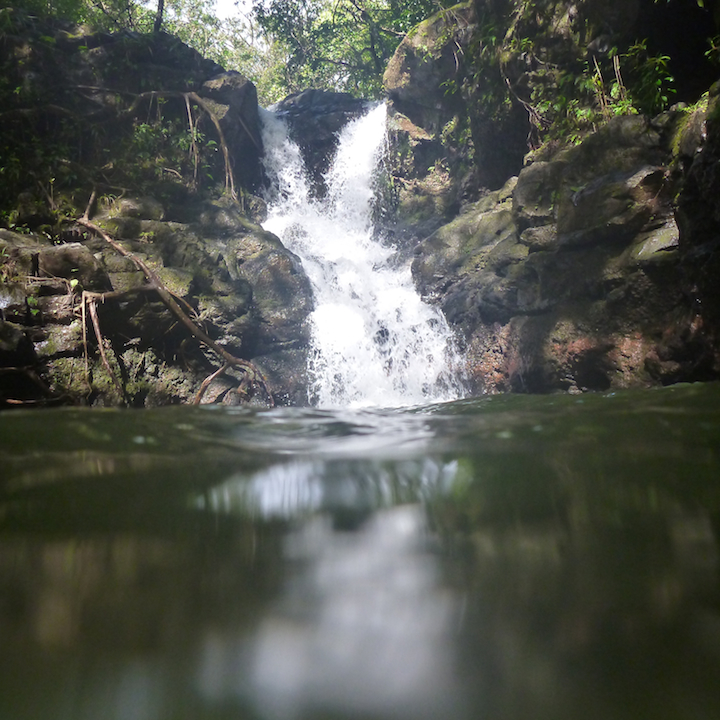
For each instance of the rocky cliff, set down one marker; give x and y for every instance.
(567, 229)
(132, 267)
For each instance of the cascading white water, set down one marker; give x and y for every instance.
(374, 341)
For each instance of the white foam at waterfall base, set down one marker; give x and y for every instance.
(374, 341)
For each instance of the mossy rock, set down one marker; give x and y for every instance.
(15, 346)
(142, 208)
(658, 245)
(535, 194)
(423, 61)
(61, 340)
(74, 261)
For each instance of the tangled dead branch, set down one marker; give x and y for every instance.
(252, 375)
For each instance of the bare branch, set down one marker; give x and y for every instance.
(254, 374)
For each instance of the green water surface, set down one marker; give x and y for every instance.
(514, 557)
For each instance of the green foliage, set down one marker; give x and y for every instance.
(169, 150)
(512, 62)
(649, 79)
(713, 51)
(283, 46)
(337, 44)
(32, 303)
(108, 15)
(484, 63)
(569, 102)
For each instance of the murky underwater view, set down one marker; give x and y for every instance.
(502, 558)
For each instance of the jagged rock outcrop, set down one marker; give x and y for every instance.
(238, 282)
(569, 276)
(429, 141)
(233, 100)
(478, 85)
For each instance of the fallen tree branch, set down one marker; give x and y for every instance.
(91, 303)
(253, 373)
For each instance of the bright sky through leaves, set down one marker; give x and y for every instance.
(232, 8)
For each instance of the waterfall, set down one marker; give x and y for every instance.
(374, 341)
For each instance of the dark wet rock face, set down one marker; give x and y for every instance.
(237, 282)
(315, 117)
(233, 99)
(699, 201)
(583, 265)
(429, 138)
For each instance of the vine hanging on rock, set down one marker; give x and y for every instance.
(252, 376)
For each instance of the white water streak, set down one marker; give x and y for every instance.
(374, 341)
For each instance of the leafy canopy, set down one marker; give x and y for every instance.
(281, 45)
(339, 44)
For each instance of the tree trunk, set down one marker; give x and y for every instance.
(159, 16)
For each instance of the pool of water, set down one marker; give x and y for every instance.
(498, 558)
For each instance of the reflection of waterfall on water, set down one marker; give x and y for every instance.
(375, 343)
(344, 488)
(364, 630)
(364, 627)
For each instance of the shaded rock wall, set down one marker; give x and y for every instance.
(152, 131)
(568, 277)
(587, 265)
(430, 157)
(238, 283)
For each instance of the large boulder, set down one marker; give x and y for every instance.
(596, 266)
(430, 155)
(315, 117)
(237, 282)
(478, 85)
(233, 100)
(247, 290)
(419, 76)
